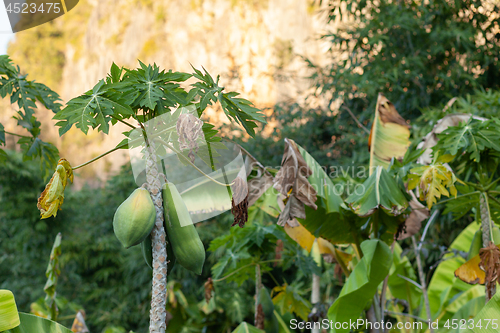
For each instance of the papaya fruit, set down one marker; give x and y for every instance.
(135, 218)
(496, 235)
(186, 243)
(476, 245)
(147, 253)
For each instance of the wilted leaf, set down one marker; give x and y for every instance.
(470, 271)
(414, 222)
(257, 186)
(79, 325)
(239, 202)
(490, 264)
(52, 196)
(291, 181)
(389, 136)
(432, 181)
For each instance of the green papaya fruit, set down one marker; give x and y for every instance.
(147, 253)
(476, 245)
(266, 302)
(496, 235)
(186, 242)
(135, 218)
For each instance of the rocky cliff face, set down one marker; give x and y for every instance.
(254, 44)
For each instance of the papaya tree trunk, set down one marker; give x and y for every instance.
(258, 285)
(158, 315)
(315, 297)
(486, 226)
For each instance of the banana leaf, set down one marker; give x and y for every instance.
(9, 317)
(444, 285)
(402, 288)
(489, 314)
(245, 327)
(31, 323)
(362, 284)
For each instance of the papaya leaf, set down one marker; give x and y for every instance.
(389, 135)
(9, 317)
(433, 181)
(362, 283)
(288, 298)
(378, 191)
(31, 323)
(471, 137)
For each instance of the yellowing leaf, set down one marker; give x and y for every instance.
(470, 271)
(52, 196)
(433, 181)
(306, 240)
(389, 136)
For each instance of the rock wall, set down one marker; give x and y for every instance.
(255, 45)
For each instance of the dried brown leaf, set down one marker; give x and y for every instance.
(79, 325)
(291, 181)
(209, 288)
(414, 221)
(490, 264)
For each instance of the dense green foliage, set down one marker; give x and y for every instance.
(418, 55)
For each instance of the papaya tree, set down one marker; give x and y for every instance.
(471, 150)
(134, 98)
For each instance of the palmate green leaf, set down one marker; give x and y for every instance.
(36, 148)
(378, 191)
(238, 109)
(245, 327)
(9, 317)
(94, 109)
(150, 88)
(471, 137)
(289, 298)
(31, 323)
(362, 284)
(463, 203)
